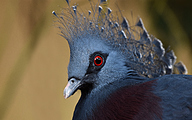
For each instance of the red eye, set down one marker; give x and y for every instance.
(98, 60)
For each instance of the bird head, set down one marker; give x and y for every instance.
(104, 48)
(93, 63)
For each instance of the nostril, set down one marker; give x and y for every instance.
(72, 81)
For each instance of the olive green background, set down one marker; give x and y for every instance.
(34, 58)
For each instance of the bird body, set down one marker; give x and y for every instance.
(123, 72)
(168, 98)
(115, 102)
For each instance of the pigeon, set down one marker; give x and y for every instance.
(122, 71)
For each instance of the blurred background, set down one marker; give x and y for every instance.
(34, 58)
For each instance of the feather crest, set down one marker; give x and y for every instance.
(145, 53)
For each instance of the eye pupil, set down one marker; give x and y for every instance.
(98, 61)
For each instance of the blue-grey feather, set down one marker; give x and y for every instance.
(116, 24)
(181, 68)
(176, 94)
(140, 23)
(136, 45)
(103, 1)
(89, 12)
(145, 38)
(109, 11)
(159, 50)
(125, 24)
(123, 34)
(100, 9)
(67, 2)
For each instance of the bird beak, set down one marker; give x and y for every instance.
(71, 87)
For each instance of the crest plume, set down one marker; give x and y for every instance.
(145, 53)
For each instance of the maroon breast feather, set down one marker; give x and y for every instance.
(136, 102)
